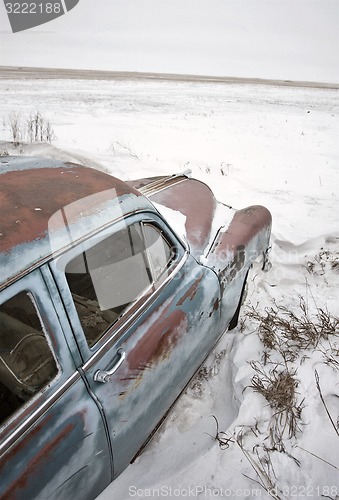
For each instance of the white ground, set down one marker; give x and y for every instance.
(276, 146)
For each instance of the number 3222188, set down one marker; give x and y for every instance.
(34, 8)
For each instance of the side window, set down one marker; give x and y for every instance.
(26, 361)
(108, 277)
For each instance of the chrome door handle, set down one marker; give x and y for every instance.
(105, 376)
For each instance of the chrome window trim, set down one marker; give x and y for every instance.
(112, 337)
(168, 234)
(23, 285)
(157, 186)
(45, 260)
(44, 331)
(24, 426)
(141, 303)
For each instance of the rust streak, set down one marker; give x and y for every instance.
(191, 292)
(33, 432)
(34, 466)
(157, 342)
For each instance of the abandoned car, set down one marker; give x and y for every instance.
(112, 294)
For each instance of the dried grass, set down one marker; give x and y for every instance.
(278, 386)
(286, 332)
(322, 261)
(288, 337)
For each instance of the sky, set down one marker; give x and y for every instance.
(279, 39)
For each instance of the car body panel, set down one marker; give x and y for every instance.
(220, 237)
(170, 334)
(234, 249)
(83, 428)
(56, 445)
(176, 328)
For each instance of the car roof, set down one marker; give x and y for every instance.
(48, 205)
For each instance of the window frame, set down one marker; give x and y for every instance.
(34, 286)
(134, 310)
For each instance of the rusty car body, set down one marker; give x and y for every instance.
(112, 294)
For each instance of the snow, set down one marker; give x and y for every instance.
(176, 219)
(252, 144)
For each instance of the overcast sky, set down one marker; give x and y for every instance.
(283, 39)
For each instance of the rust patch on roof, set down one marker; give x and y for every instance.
(28, 198)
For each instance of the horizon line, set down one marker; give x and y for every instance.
(39, 73)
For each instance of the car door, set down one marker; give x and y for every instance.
(53, 442)
(145, 315)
